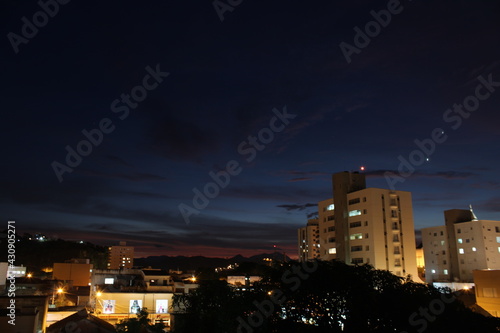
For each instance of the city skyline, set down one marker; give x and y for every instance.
(264, 103)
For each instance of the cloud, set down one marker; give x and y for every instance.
(132, 176)
(439, 174)
(312, 215)
(297, 206)
(300, 176)
(492, 205)
(301, 179)
(118, 160)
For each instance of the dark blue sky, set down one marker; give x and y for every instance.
(225, 78)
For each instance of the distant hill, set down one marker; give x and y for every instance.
(38, 254)
(192, 263)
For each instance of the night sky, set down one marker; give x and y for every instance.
(204, 87)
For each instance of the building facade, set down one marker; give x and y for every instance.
(308, 237)
(75, 273)
(487, 290)
(121, 256)
(373, 226)
(453, 251)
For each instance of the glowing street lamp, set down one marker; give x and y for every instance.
(59, 291)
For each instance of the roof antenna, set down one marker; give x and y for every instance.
(474, 217)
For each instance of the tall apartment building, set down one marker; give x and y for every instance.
(309, 241)
(121, 256)
(462, 245)
(373, 226)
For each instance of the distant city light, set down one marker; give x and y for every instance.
(362, 168)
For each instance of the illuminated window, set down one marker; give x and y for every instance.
(460, 241)
(356, 236)
(135, 305)
(355, 212)
(109, 281)
(433, 271)
(333, 250)
(330, 207)
(442, 243)
(498, 239)
(445, 272)
(108, 306)
(162, 306)
(461, 251)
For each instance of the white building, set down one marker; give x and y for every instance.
(453, 251)
(309, 247)
(368, 226)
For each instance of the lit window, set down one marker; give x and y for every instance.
(442, 242)
(461, 251)
(460, 241)
(109, 281)
(474, 249)
(333, 250)
(330, 207)
(356, 236)
(498, 239)
(433, 271)
(355, 212)
(445, 272)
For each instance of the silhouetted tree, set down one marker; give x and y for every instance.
(141, 324)
(328, 296)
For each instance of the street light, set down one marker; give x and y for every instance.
(59, 291)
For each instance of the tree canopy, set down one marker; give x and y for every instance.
(326, 296)
(141, 324)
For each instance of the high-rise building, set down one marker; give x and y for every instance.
(373, 226)
(309, 241)
(462, 245)
(121, 256)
